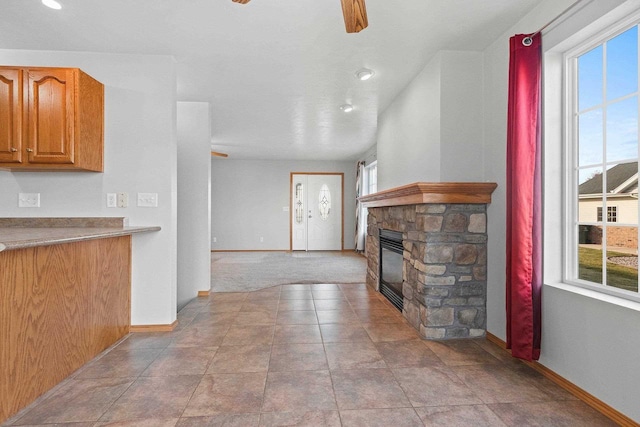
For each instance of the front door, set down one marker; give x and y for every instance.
(316, 214)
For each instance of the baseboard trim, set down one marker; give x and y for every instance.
(597, 404)
(274, 250)
(250, 250)
(153, 328)
(204, 293)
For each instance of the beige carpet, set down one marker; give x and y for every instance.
(250, 271)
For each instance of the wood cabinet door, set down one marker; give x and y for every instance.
(51, 116)
(11, 115)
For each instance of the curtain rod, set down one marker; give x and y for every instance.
(528, 40)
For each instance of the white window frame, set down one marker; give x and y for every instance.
(367, 184)
(570, 244)
(612, 213)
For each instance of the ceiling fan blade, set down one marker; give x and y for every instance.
(241, 1)
(355, 15)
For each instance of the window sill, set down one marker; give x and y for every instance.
(600, 296)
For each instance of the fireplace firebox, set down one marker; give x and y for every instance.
(391, 261)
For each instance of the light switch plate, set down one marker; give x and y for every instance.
(29, 200)
(148, 200)
(123, 200)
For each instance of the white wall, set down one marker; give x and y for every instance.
(247, 197)
(409, 132)
(194, 200)
(461, 126)
(586, 338)
(433, 130)
(140, 156)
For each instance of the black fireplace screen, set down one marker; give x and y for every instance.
(391, 260)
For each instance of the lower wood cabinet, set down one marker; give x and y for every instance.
(60, 306)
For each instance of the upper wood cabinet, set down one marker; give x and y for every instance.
(50, 119)
(11, 109)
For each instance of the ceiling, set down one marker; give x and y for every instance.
(274, 71)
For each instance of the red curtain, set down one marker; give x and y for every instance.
(524, 199)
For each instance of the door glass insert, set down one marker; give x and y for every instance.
(299, 204)
(324, 201)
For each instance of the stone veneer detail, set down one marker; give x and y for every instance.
(444, 269)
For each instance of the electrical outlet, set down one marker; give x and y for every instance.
(29, 200)
(123, 200)
(285, 209)
(215, 239)
(148, 200)
(112, 200)
(261, 239)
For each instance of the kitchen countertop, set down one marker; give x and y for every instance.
(19, 233)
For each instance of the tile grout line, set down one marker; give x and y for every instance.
(324, 347)
(266, 378)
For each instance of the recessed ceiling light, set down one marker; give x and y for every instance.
(347, 108)
(53, 4)
(364, 74)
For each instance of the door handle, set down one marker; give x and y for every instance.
(30, 150)
(13, 149)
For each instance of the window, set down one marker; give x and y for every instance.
(324, 202)
(369, 186)
(611, 214)
(603, 129)
(299, 203)
(371, 178)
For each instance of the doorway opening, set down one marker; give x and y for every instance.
(317, 211)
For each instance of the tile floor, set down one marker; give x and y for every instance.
(303, 355)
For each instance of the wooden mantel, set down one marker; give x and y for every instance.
(431, 192)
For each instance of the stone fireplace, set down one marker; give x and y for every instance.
(444, 259)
